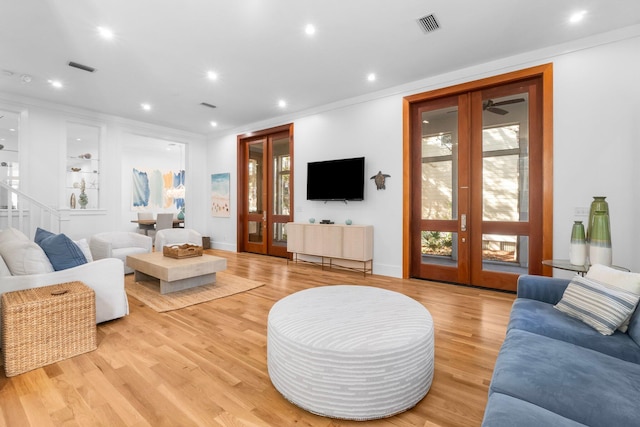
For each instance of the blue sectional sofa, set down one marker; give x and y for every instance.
(555, 370)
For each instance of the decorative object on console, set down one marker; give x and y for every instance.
(72, 201)
(348, 222)
(578, 246)
(326, 221)
(600, 239)
(83, 199)
(181, 213)
(312, 220)
(379, 179)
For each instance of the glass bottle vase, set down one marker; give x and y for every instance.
(600, 239)
(598, 204)
(578, 245)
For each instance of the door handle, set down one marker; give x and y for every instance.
(463, 222)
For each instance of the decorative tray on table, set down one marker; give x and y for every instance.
(182, 251)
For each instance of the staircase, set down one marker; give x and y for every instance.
(18, 210)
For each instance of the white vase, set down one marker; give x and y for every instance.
(578, 253)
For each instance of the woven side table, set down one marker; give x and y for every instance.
(44, 325)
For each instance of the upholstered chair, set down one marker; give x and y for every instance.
(119, 244)
(177, 236)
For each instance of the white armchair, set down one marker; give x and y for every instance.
(119, 244)
(177, 236)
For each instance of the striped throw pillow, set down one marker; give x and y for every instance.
(597, 304)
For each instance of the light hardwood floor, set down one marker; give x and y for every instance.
(206, 365)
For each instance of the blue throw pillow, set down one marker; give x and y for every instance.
(60, 250)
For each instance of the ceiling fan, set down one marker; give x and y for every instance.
(489, 105)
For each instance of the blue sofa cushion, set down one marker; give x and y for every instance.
(541, 288)
(542, 319)
(507, 411)
(634, 326)
(574, 382)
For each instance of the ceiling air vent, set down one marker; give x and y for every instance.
(428, 23)
(81, 67)
(206, 104)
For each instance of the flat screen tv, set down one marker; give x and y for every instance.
(341, 179)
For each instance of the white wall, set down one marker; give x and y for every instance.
(596, 134)
(596, 113)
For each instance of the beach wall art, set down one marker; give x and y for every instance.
(155, 189)
(220, 195)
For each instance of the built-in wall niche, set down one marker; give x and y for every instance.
(9, 150)
(82, 186)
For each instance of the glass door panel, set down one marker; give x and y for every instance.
(437, 240)
(280, 212)
(506, 158)
(255, 193)
(506, 253)
(505, 181)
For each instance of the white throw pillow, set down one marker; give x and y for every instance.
(84, 247)
(600, 306)
(4, 270)
(25, 257)
(620, 279)
(10, 234)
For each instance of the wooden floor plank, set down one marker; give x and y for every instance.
(206, 365)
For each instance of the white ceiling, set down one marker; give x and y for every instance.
(163, 49)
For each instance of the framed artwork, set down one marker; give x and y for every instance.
(157, 189)
(220, 204)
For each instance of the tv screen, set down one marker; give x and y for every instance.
(341, 179)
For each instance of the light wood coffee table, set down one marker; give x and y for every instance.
(176, 274)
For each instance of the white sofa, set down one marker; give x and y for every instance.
(32, 269)
(105, 277)
(119, 244)
(177, 236)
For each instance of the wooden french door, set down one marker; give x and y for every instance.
(265, 191)
(476, 184)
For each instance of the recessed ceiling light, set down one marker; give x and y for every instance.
(213, 124)
(55, 83)
(310, 29)
(105, 33)
(282, 103)
(12, 130)
(212, 75)
(371, 77)
(78, 139)
(577, 17)
(145, 106)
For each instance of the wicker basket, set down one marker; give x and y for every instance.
(182, 251)
(44, 325)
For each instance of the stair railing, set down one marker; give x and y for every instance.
(21, 211)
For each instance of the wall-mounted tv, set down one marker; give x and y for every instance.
(341, 179)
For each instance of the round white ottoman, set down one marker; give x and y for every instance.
(350, 352)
